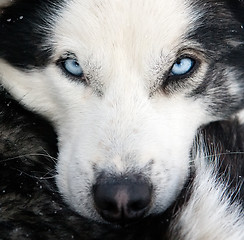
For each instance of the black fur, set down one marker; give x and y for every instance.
(225, 140)
(21, 34)
(220, 31)
(30, 205)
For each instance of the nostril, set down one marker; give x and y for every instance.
(140, 196)
(104, 199)
(122, 201)
(107, 205)
(138, 205)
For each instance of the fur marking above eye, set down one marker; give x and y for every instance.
(72, 67)
(182, 66)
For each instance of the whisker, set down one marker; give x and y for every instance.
(51, 157)
(30, 155)
(223, 154)
(36, 177)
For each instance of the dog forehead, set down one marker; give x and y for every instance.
(130, 28)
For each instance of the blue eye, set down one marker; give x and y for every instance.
(182, 66)
(72, 67)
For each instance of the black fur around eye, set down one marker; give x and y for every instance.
(179, 74)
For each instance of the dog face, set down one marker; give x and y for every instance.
(126, 85)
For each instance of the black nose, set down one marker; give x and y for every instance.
(122, 200)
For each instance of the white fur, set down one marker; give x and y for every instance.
(121, 122)
(209, 214)
(241, 116)
(125, 129)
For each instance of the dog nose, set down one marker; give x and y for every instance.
(122, 201)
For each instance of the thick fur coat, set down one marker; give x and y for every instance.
(122, 119)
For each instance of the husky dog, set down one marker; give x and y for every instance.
(127, 85)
